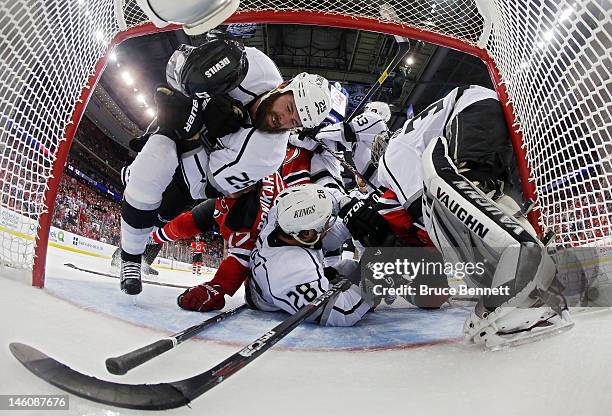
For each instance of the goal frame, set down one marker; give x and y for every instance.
(275, 17)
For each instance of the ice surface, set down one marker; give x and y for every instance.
(397, 361)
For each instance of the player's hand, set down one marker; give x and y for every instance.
(305, 133)
(224, 115)
(179, 118)
(364, 222)
(332, 275)
(202, 298)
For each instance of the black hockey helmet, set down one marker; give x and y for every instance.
(216, 67)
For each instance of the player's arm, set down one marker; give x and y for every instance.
(245, 157)
(325, 170)
(296, 166)
(404, 223)
(211, 295)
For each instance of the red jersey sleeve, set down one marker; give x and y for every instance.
(401, 222)
(295, 169)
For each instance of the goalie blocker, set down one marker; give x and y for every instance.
(468, 226)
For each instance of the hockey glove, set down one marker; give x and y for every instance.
(364, 222)
(332, 275)
(224, 115)
(202, 298)
(178, 117)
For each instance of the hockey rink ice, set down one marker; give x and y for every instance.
(396, 361)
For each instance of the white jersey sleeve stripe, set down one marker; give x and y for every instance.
(264, 260)
(317, 268)
(237, 159)
(368, 127)
(247, 92)
(350, 311)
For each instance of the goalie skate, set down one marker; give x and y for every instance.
(510, 327)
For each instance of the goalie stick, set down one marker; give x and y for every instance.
(162, 395)
(124, 363)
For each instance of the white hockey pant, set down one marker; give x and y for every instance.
(146, 179)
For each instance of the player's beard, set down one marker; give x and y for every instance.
(263, 112)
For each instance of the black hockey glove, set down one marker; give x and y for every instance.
(179, 117)
(224, 115)
(312, 134)
(332, 275)
(364, 222)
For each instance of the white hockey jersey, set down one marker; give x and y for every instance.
(263, 76)
(366, 126)
(289, 277)
(400, 167)
(245, 157)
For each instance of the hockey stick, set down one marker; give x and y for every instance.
(146, 282)
(124, 363)
(349, 167)
(402, 51)
(162, 395)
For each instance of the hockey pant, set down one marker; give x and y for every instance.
(148, 181)
(468, 227)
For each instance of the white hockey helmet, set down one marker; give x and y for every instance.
(305, 207)
(196, 16)
(312, 98)
(380, 108)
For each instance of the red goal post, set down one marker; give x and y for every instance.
(548, 61)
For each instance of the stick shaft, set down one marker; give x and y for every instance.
(124, 363)
(402, 50)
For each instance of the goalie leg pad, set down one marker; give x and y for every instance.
(468, 226)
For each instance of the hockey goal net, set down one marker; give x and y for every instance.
(549, 61)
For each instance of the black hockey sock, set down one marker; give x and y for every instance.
(136, 258)
(151, 252)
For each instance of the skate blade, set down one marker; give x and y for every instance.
(528, 338)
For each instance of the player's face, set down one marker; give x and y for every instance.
(277, 113)
(308, 236)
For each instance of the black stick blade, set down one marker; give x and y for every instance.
(132, 396)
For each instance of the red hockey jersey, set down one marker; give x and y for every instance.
(240, 220)
(197, 247)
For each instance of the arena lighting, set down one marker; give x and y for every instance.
(127, 77)
(150, 112)
(141, 98)
(410, 60)
(112, 56)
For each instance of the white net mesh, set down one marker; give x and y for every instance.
(553, 56)
(48, 50)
